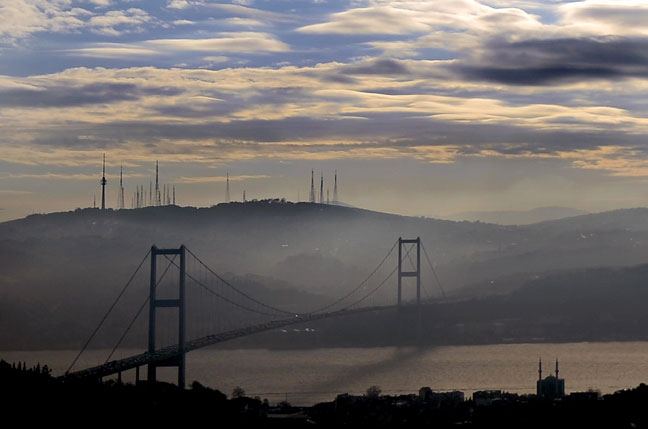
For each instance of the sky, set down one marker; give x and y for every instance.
(423, 108)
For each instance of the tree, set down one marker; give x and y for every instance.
(238, 392)
(373, 391)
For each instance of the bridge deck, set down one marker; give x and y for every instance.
(167, 354)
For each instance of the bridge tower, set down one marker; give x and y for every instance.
(408, 245)
(178, 303)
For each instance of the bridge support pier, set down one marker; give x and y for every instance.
(178, 303)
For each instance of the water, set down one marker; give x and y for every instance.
(305, 377)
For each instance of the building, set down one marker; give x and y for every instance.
(551, 386)
(440, 399)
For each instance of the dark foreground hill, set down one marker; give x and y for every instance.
(59, 272)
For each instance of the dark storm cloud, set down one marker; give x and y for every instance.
(69, 96)
(544, 62)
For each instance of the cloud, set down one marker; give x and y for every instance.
(221, 179)
(148, 105)
(100, 3)
(544, 62)
(183, 22)
(242, 42)
(113, 50)
(118, 22)
(239, 11)
(243, 22)
(65, 96)
(22, 19)
(626, 18)
(19, 19)
(381, 66)
(51, 176)
(180, 4)
(226, 42)
(11, 192)
(373, 20)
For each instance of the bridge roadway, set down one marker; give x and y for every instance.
(168, 354)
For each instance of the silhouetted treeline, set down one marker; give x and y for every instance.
(32, 396)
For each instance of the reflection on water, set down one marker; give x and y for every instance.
(304, 377)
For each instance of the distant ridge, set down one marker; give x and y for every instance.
(520, 217)
(56, 265)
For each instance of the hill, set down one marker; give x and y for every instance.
(518, 217)
(59, 271)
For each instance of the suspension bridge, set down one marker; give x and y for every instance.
(196, 294)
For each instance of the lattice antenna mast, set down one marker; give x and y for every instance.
(157, 185)
(103, 184)
(335, 193)
(312, 190)
(321, 194)
(227, 190)
(121, 203)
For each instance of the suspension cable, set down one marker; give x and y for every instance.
(130, 325)
(208, 289)
(108, 312)
(339, 300)
(372, 292)
(381, 283)
(278, 310)
(433, 271)
(216, 294)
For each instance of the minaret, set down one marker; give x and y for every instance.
(312, 191)
(321, 198)
(103, 184)
(556, 368)
(540, 369)
(335, 194)
(227, 190)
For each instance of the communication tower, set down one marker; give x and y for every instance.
(103, 184)
(335, 194)
(227, 190)
(120, 203)
(157, 186)
(321, 194)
